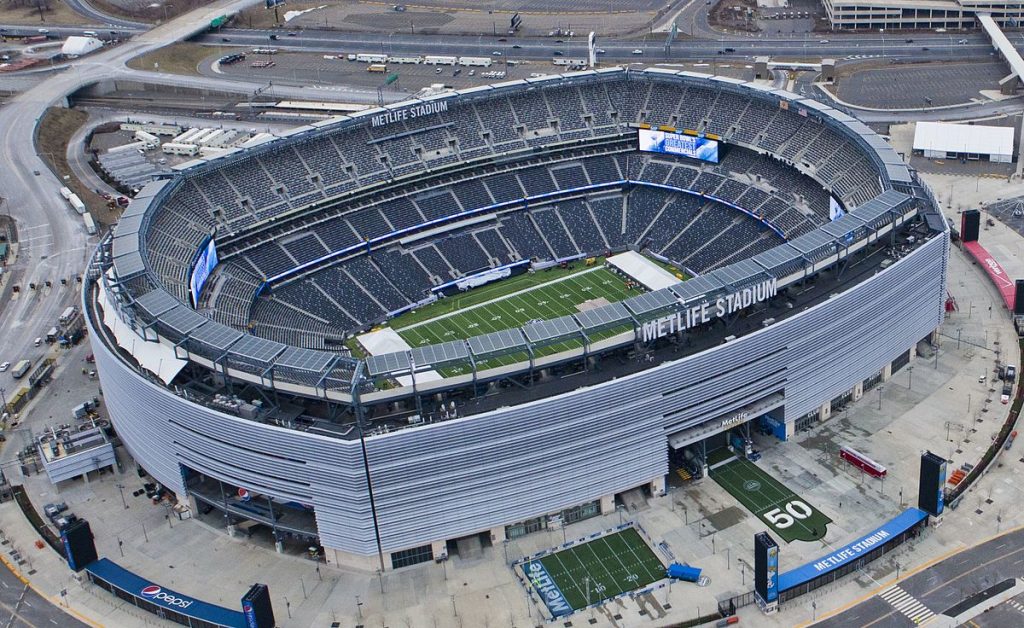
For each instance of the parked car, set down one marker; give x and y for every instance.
(4, 366)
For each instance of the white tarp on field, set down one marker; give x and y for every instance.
(643, 270)
(387, 340)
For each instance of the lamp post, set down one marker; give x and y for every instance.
(120, 489)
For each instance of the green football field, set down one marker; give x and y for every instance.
(781, 509)
(513, 303)
(590, 572)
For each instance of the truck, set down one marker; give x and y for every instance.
(379, 68)
(438, 60)
(21, 368)
(150, 139)
(68, 315)
(90, 224)
(66, 193)
(484, 62)
(77, 204)
(127, 147)
(371, 58)
(174, 148)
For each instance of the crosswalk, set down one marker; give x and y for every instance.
(906, 604)
(1016, 605)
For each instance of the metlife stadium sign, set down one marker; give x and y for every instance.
(690, 146)
(705, 311)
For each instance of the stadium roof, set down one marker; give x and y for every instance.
(198, 333)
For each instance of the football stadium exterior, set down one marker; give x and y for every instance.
(382, 465)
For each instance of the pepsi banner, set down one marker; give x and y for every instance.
(690, 146)
(158, 599)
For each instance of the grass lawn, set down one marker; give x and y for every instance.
(513, 303)
(588, 573)
(179, 58)
(788, 516)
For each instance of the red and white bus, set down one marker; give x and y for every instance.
(862, 462)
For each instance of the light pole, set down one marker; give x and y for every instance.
(910, 378)
(879, 397)
(120, 489)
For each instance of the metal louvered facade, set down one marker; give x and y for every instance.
(476, 473)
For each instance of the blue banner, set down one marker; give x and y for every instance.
(773, 574)
(142, 589)
(852, 551)
(547, 589)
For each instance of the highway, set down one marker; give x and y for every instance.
(83, 8)
(938, 587)
(53, 244)
(839, 47)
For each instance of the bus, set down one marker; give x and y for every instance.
(862, 462)
(370, 58)
(20, 369)
(379, 68)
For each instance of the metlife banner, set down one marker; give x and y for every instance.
(677, 144)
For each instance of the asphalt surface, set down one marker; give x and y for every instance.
(939, 46)
(83, 8)
(940, 586)
(934, 85)
(22, 607)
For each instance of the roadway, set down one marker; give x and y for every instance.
(938, 587)
(939, 46)
(86, 10)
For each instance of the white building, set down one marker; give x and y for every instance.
(941, 140)
(76, 46)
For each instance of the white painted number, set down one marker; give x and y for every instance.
(632, 577)
(795, 509)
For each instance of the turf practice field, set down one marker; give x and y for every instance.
(593, 571)
(512, 303)
(786, 514)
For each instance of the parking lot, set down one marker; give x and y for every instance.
(934, 85)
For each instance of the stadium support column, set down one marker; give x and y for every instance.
(858, 391)
(657, 486)
(887, 372)
(607, 504)
(498, 535)
(825, 411)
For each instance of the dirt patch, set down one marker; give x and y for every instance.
(179, 58)
(592, 304)
(28, 13)
(55, 130)
(144, 11)
(738, 15)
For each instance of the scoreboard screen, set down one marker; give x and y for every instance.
(700, 148)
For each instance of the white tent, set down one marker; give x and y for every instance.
(941, 140)
(76, 46)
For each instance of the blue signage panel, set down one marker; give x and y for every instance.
(772, 577)
(205, 263)
(940, 499)
(547, 589)
(132, 584)
(852, 551)
(678, 144)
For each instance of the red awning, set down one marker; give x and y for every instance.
(995, 272)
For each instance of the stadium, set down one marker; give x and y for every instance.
(473, 315)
